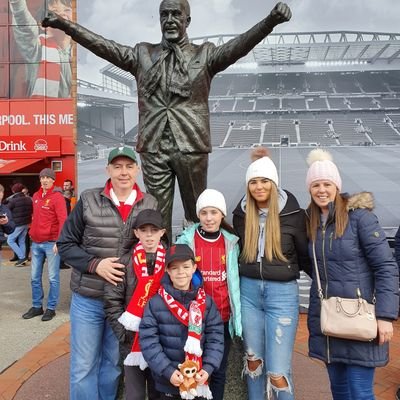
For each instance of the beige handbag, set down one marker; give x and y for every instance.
(344, 318)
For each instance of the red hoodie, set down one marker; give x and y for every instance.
(49, 215)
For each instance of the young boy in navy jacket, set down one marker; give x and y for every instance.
(181, 323)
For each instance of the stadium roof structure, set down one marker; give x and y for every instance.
(341, 49)
(332, 46)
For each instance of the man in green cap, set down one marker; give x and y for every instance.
(97, 233)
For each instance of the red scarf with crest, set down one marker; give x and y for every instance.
(146, 287)
(193, 319)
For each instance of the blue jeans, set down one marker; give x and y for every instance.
(41, 251)
(351, 382)
(270, 314)
(94, 369)
(16, 240)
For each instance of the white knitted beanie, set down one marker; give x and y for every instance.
(211, 198)
(262, 168)
(322, 168)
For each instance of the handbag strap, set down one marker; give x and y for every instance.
(320, 292)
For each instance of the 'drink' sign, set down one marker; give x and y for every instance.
(30, 147)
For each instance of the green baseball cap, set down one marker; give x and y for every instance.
(122, 152)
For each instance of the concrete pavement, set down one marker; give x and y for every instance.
(34, 355)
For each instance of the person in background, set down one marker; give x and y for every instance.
(69, 194)
(124, 304)
(6, 223)
(97, 233)
(397, 247)
(397, 256)
(217, 252)
(181, 323)
(43, 49)
(49, 215)
(354, 260)
(21, 209)
(272, 230)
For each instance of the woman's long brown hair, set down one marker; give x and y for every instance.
(273, 249)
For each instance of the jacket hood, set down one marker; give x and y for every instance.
(288, 204)
(183, 296)
(357, 201)
(362, 200)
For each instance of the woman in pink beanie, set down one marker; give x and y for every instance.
(354, 260)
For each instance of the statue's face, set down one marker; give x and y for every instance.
(174, 19)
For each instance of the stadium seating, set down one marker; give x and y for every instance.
(318, 108)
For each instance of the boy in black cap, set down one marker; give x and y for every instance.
(124, 303)
(181, 323)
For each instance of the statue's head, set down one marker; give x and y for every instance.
(174, 19)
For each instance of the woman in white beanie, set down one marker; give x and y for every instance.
(272, 230)
(353, 260)
(217, 251)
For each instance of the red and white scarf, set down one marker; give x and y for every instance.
(193, 319)
(146, 287)
(48, 77)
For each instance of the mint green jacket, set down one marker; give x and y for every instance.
(232, 270)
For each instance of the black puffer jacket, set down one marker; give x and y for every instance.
(6, 228)
(21, 208)
(293, 241)
(93, 231)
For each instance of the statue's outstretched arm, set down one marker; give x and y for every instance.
(228, 53)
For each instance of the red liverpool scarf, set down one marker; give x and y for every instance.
(146, 287)
(193, 319)
(48, 77)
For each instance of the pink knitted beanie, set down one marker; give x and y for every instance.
(322, 168)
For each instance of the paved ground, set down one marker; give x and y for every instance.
(34, 355)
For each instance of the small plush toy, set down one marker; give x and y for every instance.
(188, 388)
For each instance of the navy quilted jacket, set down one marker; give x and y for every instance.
(362, 259)
(163, 337)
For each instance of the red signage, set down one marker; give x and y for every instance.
(40, 147)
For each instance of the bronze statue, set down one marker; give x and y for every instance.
(173, 79)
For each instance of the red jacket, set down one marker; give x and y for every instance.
(49, 215)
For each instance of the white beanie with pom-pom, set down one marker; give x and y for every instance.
(262, 166)
(322, 168)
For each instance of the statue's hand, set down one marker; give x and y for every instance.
(280, 13)
(53, 20)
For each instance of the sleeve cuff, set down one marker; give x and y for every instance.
(93, 265)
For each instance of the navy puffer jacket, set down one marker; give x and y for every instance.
(163, 337)
(362, 259)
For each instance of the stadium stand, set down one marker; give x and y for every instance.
(317, 88)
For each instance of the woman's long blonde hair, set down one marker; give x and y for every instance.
(273, 249)
(341, 217)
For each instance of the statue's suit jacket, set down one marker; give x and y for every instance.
(188, 117)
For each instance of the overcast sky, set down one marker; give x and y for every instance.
(132, 21)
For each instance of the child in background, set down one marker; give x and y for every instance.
(217, 252)
(181, 322)
(124, 304)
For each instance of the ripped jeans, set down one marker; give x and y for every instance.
(270, 314)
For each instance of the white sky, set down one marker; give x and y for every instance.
(132, 21)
